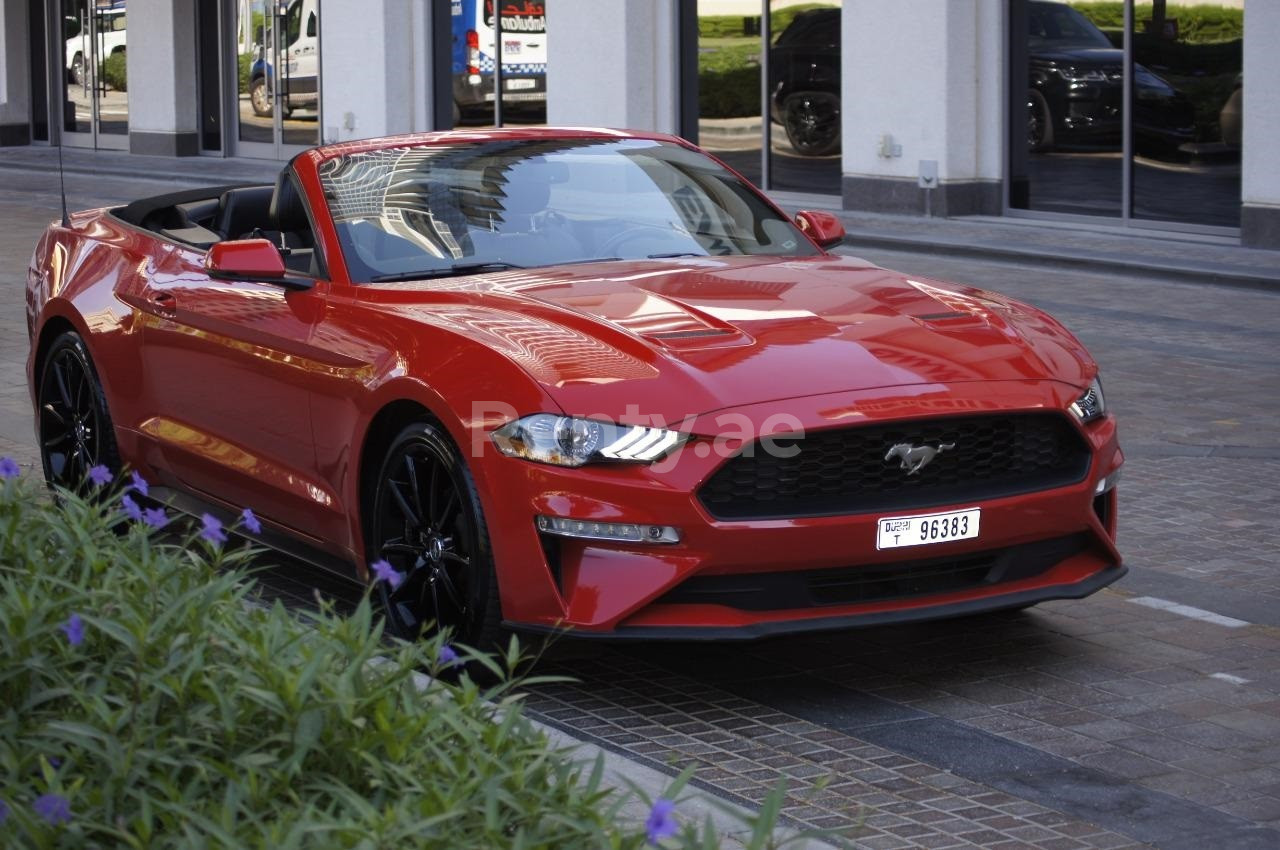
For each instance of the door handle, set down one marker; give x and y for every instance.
(164, 303)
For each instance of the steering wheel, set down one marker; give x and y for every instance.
(631, 232)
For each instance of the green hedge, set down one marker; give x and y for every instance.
(114, 71)
(1200, 24)
(146, 702)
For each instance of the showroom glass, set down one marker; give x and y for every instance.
(804, 96)
(278, 73)
(417, 210)
(798, 46)
(728, 84)
(95, 82)
(1073, 144)
(1187, 92)
(479, 67)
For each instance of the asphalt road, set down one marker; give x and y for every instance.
(1148, 714)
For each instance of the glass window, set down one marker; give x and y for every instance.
(522, 55)
(804, 97)
(1074, 145)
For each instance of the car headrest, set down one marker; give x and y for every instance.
(288, 214)
(242, 210)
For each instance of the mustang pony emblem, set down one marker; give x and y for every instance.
(915, 458)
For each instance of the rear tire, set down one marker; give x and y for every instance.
(426, 521)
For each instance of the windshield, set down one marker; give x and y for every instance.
(458, 208)
(1059, 25)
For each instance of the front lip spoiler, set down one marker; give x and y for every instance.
(757, 631)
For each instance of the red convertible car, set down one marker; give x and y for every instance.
(554, 378)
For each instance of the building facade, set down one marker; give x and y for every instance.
(1127, 114)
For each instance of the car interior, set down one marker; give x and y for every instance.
(200, 218)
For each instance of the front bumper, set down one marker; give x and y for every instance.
(715, 583)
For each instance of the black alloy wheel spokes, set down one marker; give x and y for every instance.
(70, 425)
(426, 536)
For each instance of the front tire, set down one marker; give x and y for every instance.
(427, 523)
(260, 97)
(1039, 123)
(812, 122)
(74, 425)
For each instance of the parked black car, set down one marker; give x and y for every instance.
(1075, 86)
(804, 71)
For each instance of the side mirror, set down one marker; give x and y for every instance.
(245, 259)
(822, 227)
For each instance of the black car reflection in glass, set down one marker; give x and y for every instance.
(1074, 98)
(1076, 90)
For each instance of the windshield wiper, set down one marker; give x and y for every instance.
(675, 254)
(455, 270)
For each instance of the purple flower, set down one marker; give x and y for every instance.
(4, 811)
(9, 468)
(661, 822)
(131, 509)
(250, 522)
(448, 657)
(212, 531)
(74, 630)
(100, 475)
(54, 808)
(155, 517)
(139, 483)
(386, 572)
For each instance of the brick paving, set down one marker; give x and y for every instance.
(1016, 730)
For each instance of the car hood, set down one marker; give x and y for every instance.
(686, 337)
(1079, 56)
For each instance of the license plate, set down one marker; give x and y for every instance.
(923, 529)
(511, 47)
(520, 84)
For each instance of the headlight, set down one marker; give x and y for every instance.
(1076, 75)
(570, 441)
(1091, 405)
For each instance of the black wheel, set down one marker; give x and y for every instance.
(1039, 123)
(812, 122)
(260, 97)
(77, 69)
(426, 522)
(74, 425)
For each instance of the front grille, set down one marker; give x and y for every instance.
(878, 583)
(844, 471)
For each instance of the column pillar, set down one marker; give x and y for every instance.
(1259, 178)
(15, 74)
(612, 63)
(921, 91)
(375, 68)
(161, 74)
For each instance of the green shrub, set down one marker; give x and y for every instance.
(147, 701)
(114, 71)
(1198, 24)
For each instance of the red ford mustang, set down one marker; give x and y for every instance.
(566, 378)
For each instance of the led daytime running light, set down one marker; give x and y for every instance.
(621, 532)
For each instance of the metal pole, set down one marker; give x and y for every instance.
(766, 30)
(497, 63)
(1126, 131)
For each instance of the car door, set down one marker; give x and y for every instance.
(227, 368)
